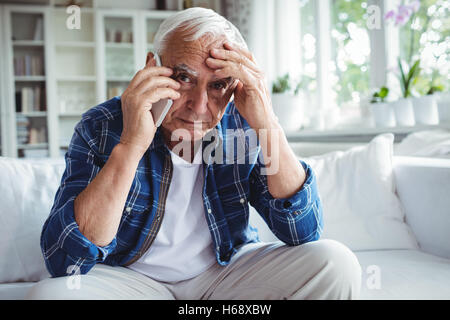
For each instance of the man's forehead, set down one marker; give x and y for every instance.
(185, 68)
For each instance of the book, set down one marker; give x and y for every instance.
(28, 66)
(30, 99)
(38, 31)
(37, 99)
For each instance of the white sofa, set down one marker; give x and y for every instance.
(401, 238)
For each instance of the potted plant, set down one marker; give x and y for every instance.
(287, 104)
(383, 113)
(426, 107)
(403, 108)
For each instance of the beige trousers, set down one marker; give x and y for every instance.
(323, 269)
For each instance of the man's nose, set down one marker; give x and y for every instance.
(199, 101)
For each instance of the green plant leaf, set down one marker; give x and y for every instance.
(282, 84)
(383, 93)
(402, 78)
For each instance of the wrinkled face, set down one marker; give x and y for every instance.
(204, 96)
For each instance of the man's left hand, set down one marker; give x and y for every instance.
(251, 95)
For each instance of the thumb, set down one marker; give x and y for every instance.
(239, 88)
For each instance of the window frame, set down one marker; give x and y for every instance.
(380, 57)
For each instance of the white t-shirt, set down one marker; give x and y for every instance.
(183, 246)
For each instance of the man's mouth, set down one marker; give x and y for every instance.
(191, 123)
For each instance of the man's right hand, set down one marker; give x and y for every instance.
(148, 86)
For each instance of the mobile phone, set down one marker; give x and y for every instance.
(159, 109)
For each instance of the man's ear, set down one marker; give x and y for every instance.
(149, 58)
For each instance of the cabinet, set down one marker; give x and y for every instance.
(26, 80)
(51, 73)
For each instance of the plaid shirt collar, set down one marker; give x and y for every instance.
(215, 136)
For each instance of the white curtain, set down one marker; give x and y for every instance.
(272, 31)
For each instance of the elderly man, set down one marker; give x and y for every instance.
(136, 219)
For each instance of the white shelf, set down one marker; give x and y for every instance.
(33, 146)
(71, 114)
(357, 133)
(29, 78)
(75, 44)
(33, 114)
(62, 10)
(119, 79)
(77, 78)
(119, 45)
(28, 43)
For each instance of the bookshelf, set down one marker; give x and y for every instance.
(51, 75)
(117, 35)
(75, 83)
(26, 102)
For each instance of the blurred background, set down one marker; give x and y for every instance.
(340, 71)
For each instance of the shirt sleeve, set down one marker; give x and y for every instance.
(295, 220)
(65, 249)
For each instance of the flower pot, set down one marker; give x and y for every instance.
(426, 110)
(383, 114)
(443, 103)
(404, 112)
(288, 108)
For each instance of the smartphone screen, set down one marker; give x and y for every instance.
(159, 109)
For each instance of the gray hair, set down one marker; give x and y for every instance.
(196, 23)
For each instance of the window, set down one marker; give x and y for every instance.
(308, 47)
(350, 45)
(426, 36)
(360, 59)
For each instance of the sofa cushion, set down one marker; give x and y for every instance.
(357, 189)
(27, 189)
(403, 274)
(15, 291)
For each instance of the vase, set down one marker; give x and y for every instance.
(383, 114)
(443, 103)
(426, 110)
(404, 112)
(289, 111)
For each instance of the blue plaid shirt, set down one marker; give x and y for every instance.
(227, 192)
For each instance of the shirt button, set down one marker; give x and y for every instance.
(287, 204)
(209, 211)
(242, 200)
(128, 209)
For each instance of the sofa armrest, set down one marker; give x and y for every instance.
(423, 186)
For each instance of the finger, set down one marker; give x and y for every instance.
(233, 56)
(148, 72)
(235, 47)
(216, 63)
(157, 94)
(226, 55)
(237, 72)
(158, 81)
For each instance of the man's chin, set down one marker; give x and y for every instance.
(189, 134)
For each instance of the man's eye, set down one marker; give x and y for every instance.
(219, 86)
(184, 78)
